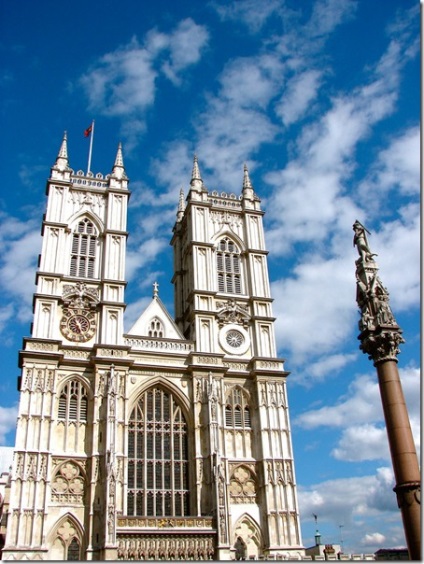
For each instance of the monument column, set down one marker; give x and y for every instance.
(380, 338)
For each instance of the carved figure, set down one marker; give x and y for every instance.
(361, 242)
(121, 551)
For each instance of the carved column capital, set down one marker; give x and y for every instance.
(382, 344)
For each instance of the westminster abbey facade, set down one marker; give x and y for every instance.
(170, 441)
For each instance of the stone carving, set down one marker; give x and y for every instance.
(380, 335)
(155, 547)
(79, 295)
(232, 312)
(360, 240)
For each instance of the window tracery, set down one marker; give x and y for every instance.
(157, 457)
(228, 264)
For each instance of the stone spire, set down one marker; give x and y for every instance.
(118, 170)
(196, 182)
(247, 191)
(62, 158)
(181, 206)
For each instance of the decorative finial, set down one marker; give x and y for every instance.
(155, 289)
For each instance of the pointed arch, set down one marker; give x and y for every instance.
(226, 231)
(247, 529)
(63, 537)
(166, 384)
(79, 215)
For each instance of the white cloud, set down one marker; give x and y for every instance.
(343, 500)
(21, 244)
(362, 442)
(298, 96)
(123, 82)
(253, 14)
(185, 45)
(146, 253)
(309, 306)
(373, 538)
(328, 14)
(359, 414)
(8, 416)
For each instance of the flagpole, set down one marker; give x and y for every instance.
(90, 150)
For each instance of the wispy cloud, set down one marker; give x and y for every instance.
(122, 83)
(347, 501)
(359, 415)
(8, 416)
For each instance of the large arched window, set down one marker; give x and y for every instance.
(73, 402)
(228, 267)
(83, 253)
(157, 457)
(237, 411)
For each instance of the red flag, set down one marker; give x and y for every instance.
(88, 131)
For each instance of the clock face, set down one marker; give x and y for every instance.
(78, 326)
(234, 339)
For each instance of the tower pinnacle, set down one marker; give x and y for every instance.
(62, 157)
(196, 182)
(247, 190)
(181, 206)
(118, 170)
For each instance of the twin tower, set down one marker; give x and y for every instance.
(168, 442)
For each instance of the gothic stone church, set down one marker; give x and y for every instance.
(168, 442)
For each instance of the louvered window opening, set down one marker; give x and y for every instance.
(83, 254)
(157, 457)
(237, 411)
(228, 267)
(73, 402)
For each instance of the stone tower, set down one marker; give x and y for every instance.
(171, 441)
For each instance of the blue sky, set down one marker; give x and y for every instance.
(321, 100)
